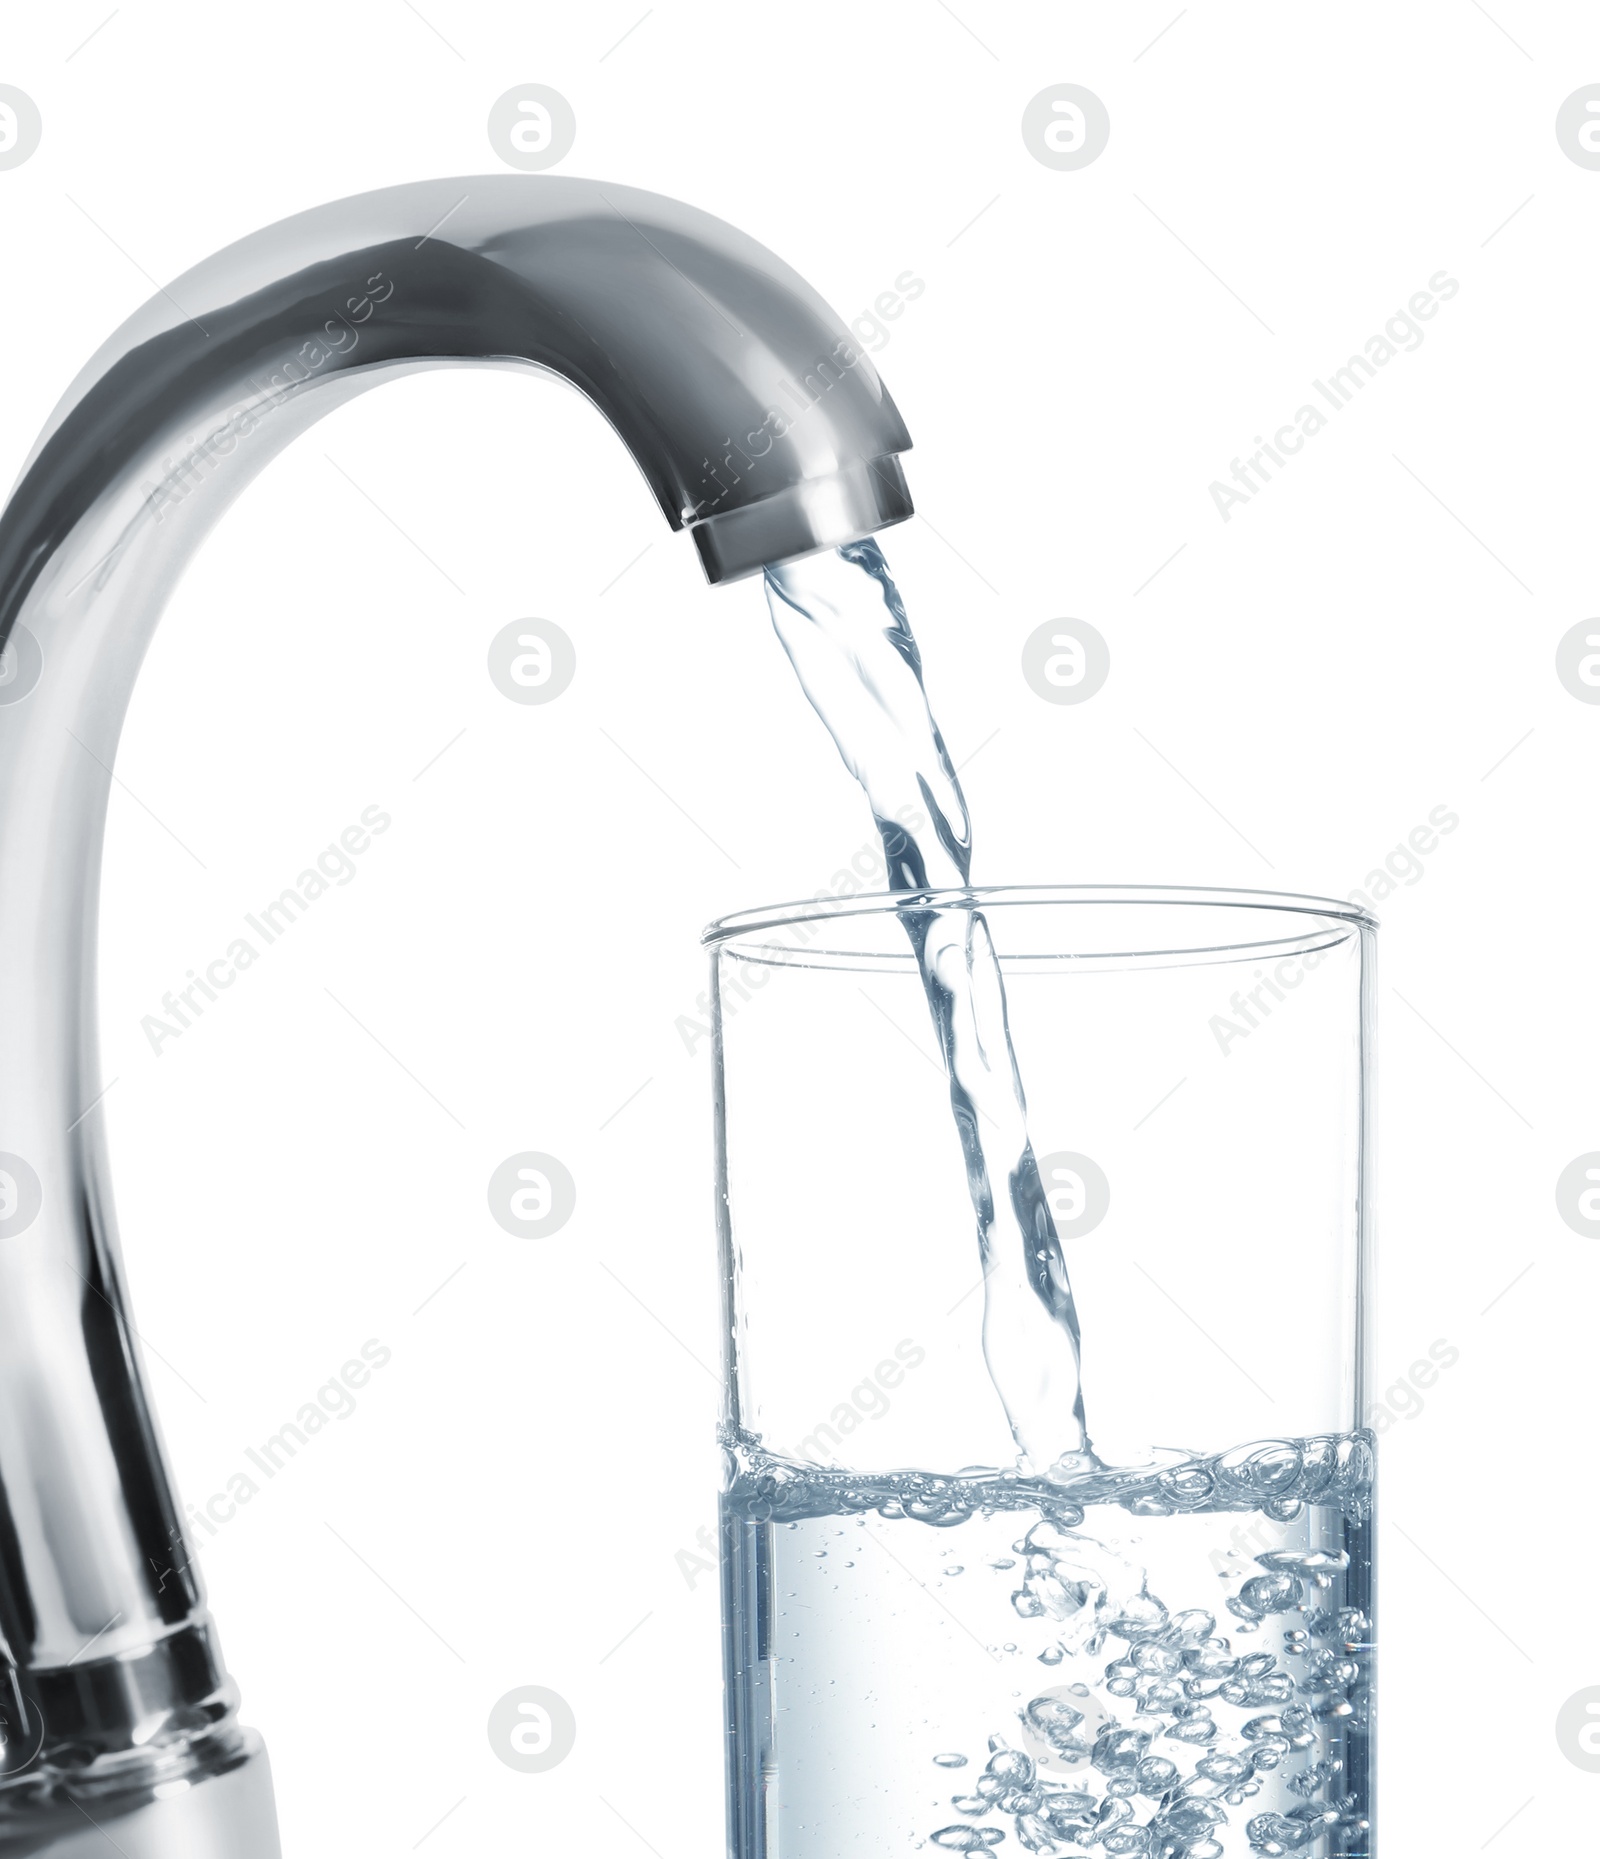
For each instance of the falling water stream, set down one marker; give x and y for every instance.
(844, 627)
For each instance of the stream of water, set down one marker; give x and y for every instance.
(842, 622)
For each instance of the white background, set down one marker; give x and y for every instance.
(1371, 637)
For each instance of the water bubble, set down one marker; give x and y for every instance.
(1188, 1486)
(1267, 1752)
(1274, 1688)
(943, 1513)
(1138, 1617)
(1186, 1830)
(1267, 1594)
(1036, 1835)
(1159, 1661)
(1193, 1627)
(1315, 1818)
(951, 1760)
(1120, 1751)
(1155, 1775)
(1194, 1725)
(1114, 1812)
(1220, 1767)
(1059, 1599)
(1273, 1467)
(1127, 1840)
(970, 1804)
(1011, 1765)
(960, 1839)
(1072, 1817)
(1308, 1781)
(1272, 1836)
(1185, 1826)
(1326, 1667)
(1298, 1726)
(955, 1568)
(1061, 1727)
(1305, 1561)
(1064, 1803)
(1212, 1659)
(1159, 1696)
(1354, 1624)
(1052, 1655)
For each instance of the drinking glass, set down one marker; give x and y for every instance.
(1167, 1652)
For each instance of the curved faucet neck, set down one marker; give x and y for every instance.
(755, 420)
(757, 425)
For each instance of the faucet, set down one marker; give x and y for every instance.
(759, 427)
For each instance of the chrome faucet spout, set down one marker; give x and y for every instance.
(759, 427)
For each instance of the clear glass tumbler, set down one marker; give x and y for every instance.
(1168, 1652)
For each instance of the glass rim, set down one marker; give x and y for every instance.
(1156, 897)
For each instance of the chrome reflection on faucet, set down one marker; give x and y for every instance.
(759, 427)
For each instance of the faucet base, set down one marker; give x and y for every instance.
(225, 1814)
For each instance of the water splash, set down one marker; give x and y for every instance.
(843, 624)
